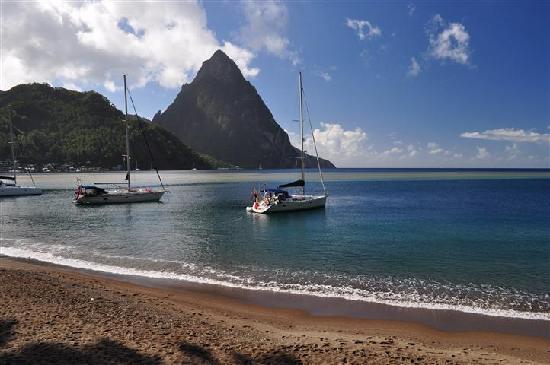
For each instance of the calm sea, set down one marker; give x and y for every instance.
(471, 240)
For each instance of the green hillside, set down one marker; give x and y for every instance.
(59, 126)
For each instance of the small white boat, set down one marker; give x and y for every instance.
(8, 187)
(278, 200)
(8, 184)
(95, 195)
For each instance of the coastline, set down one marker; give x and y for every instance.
(233, 325)
(437, 316)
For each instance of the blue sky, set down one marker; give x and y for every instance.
(396, 84)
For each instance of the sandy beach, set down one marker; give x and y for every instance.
(51, 314)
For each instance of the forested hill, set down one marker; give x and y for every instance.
(56, 125)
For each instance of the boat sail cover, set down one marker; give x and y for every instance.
(299, 182)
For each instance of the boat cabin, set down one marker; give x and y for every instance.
(7, 181)
(278, 194)
(90, 190)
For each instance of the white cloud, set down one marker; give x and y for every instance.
(434, 149)
(364, 29)
(242, 57)
(325, 76)
(264, 29)
(513, 151)
(411, 8)
(71, 86)
(94, 43)
(482, 153)
(335, 140)
(411, 150)
(448, 41)
(354, 148)
(414, 68)
(508, 134)
(392, 151)
(342, 147)
(350, 148)
(110, 85)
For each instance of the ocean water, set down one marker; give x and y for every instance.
(471, 240)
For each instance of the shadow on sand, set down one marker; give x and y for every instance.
(273, 358)
(103, 352)
(201, 355)
(6, 331)
(109, 352)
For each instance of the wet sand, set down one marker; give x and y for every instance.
(56, 315)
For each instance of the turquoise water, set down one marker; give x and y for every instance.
(471, 240)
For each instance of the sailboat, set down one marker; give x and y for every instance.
(95, 195)
(8, 184)
(279, 200)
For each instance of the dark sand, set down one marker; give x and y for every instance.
(55, 315)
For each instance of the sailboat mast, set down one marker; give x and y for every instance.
(12, 146)
(301, 128)
(128, 165)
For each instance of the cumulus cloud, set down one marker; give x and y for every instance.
(325, 76)
(414, 68)
(355, 148)
(448, 41)
(264, 29)
(392, 151)
(512, 151)
(334, 142)
(351, 148)
(435, 149)
(482, 153)
(508, 134)
(71, 86)
(364, 29)
(77, 43)
(411, 150)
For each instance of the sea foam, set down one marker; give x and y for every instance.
(235, 281)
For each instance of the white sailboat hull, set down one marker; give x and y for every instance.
(120, 197)
(295, 203)
(15, 190)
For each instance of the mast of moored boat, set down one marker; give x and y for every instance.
(301, 130)
(12, 145)
(128, 165)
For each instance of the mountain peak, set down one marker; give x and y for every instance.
(221, 67)
(219, 54)
(221, 114)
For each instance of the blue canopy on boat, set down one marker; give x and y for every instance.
(296, 183)
(89, 187)
(93, 187)
(277, 192)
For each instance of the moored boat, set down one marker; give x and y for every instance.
(95, 195)
(278, 200)
(92, 195)
(8, 184)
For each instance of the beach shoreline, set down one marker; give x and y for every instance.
(148, 323)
